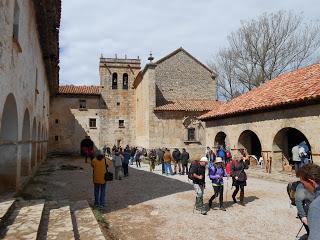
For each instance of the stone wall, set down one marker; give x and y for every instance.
(24, 96)
(69, 124)
(267, 127)
(181, 76)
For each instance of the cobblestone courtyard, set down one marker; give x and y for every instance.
(152, 206)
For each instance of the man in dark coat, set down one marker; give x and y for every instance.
(184, 161)
(176, 155)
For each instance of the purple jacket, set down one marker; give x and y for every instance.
(216, 175)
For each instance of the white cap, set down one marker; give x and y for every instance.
(204, 159)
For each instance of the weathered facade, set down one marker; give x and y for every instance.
(28, 75)
(271, 119)
(155, 107)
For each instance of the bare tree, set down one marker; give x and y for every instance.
(263, 49)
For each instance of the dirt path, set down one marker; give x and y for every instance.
(152, 206)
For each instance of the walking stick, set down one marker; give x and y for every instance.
(297, 238)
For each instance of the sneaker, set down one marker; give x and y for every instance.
(222, 209)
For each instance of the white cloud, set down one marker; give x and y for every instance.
(136, 27)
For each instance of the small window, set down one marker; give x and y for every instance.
(114, 81)
(16, 17)
(82, 104)
(57, 121)
(191, 134)
(121, 123)
(125, 81)
(118, 103)
(93, 123)
(56, 138)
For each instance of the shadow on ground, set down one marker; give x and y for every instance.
(141, 186)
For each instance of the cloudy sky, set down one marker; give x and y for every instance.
(136, 27)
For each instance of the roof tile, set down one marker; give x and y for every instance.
(81, 90)
(294, 87)
(191, 105)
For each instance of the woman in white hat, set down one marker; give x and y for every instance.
(216, 175)
(197, 173)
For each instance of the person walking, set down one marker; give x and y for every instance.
(125, 163)
(117, 163)
(303, 199)
(176, 155)
(216, 175)
(296, 158)
(167, 159)
(99, 169)
(310, 178)
(185, 157)
(160, 154)
(239, 177)
(137, 157)
(152, 159)
(197, 171)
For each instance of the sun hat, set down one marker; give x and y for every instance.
(218, 160)
(204, 159)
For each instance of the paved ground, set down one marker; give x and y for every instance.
(152, 206)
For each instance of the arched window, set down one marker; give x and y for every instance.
(125, 81)
(114, 81)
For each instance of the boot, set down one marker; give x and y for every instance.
(241, 197)
(221, 207)
(234, 198)
(210, 201)
(203, 207)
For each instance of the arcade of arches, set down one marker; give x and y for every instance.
(267, 135)
(23, 145)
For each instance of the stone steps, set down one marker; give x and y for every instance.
(40, 220)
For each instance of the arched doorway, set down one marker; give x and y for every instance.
(85, 144)
(220, 140)
(34, 144)
(283, 142)
(8, 145)
(249, 140)
(26, 145)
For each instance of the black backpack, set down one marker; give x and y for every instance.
(291, 190)
(189, 172)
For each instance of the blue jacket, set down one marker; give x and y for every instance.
(216, 174)
(221, 153)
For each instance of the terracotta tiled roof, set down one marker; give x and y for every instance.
(296, 87)
(80, 90)
(191, 105)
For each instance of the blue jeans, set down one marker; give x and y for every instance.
(99, 194)
(168, 169)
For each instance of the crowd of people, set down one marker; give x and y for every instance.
(220, 165)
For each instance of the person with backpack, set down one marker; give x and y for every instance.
(216, 175)
(310, 178)
(197, 174)
(99, 169)
(221, 153)
(303, 199)
(176, 155)
(184, 161)
(239, 177)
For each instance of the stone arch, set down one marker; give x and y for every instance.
(8, 145)
(284, 140)
(26, 145)
(250, 141)
(221, 139)
(114, 80)
(34, 143)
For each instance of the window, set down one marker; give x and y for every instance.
(118, 103)
(121, 123)
(114, 81)
(82, 104)
(16, 17)
(191, 134)
(125, 81)
(57, 121)
(56, 138)
(92, 123)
